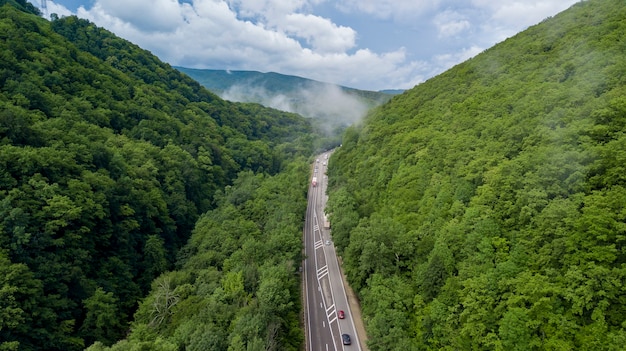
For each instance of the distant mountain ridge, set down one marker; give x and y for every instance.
(221, 80)
(335, 104)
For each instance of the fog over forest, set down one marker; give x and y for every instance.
(319, 101)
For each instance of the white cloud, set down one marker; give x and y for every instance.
(395, 9)
(286, 16)
(269, 9)
(147, 15)
(450, 23)
(522, 12)
(60, 10)
(321, 33)
(508, 17)
(289, 37)
(210, 34)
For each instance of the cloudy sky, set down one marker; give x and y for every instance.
(365, 44)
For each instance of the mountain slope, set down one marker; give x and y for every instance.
(484, 208)
(333, 105)
(22, 5)
(108, 157)
(220, 81)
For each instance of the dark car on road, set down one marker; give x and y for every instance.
(346, 339)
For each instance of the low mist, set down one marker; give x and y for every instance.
(328, 103)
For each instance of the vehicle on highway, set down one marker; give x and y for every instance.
(327, 242)
(341, 315)
(346, 339)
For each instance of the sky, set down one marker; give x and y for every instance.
(363, 44)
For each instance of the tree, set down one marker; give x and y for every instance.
(13, 278)
(154, 258)
(164, 301)
(102, 320)
(515, 331)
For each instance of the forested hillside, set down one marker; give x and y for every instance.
(332, 107)
(108, 157)
(236, 286)
(271, 83)
(485, 209)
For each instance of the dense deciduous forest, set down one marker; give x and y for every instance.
(236, 285)
(485, 208)
(109, 160)
(482, 210)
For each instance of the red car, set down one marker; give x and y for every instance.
(341, 315)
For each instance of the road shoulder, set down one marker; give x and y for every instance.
(355, 308)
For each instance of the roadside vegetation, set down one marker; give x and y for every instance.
(484, 208)
(135, 203)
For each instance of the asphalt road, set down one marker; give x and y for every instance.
(325, 294)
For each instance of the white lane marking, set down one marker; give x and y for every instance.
(322, 272)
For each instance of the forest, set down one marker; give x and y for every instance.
(485, 209)
(137, 209)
